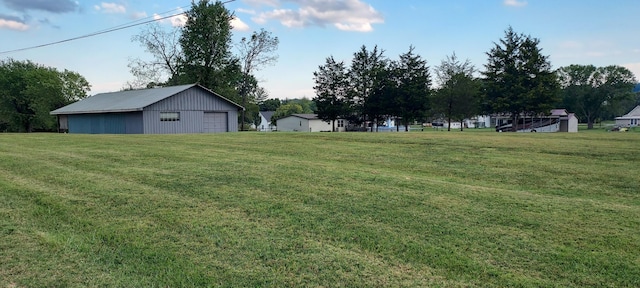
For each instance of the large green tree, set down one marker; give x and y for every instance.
(590, 91)
(206, 41)
(413, 87)
(331, 91)
(29, 91)
(367, 68)
(518, 79)
(458, 95)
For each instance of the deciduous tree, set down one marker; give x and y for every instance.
(457, 96)
(256, 52)
(28, 92)
(206, 49)
(591, 90)
(165, 50)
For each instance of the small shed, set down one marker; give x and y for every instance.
(568, 121)
(303, 123)
(630, 119)
(169, 110)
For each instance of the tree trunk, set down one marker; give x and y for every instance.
(461, 125)
(514, 122)
(333, 124)
(589, 123)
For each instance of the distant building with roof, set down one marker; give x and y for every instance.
(169, 110)
(306, 123)
(265, 122)
(630, 119)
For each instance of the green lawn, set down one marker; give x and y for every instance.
(320, 209)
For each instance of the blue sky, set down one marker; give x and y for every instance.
(571, 32)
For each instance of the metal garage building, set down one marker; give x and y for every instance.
(177, 109)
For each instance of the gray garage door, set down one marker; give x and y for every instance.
(215, 122)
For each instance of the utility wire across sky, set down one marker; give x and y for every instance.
(109, 30)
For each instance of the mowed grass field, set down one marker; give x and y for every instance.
(419, 209)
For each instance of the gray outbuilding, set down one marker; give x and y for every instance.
(169, 110)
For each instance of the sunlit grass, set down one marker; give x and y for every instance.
(419, 209)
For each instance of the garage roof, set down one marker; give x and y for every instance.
(127, 101)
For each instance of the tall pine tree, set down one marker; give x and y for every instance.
(518, 78)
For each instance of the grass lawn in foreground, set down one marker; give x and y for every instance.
(320, 209)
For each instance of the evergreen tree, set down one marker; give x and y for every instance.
(331, 91)
(413, 82)
(366, 69)
(518, 78)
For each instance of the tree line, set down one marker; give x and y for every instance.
(517, 80)
(29, 91)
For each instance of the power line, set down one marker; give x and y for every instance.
(109, 30)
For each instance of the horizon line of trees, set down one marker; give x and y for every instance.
(517, 80)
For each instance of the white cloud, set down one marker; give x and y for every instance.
(246, 11)
(258, 3)
(239, 25)
(515, 3)
(13, 25)
(346, 15)
(175, 21)
(139, 15)
(111, 8)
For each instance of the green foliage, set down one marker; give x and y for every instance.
(374, 88)
(518, 78)
(458, 97)
(270, 104)
(412, 90)
(320, 210)
(201, 53)
(256, 52)
(592, 91)
(365, 75)
(28, 92)
(206, 43)
(332, 90)
(285, 110)
(308, 106)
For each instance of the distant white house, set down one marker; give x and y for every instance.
(307, 123)
(265, 122)
(630, 119)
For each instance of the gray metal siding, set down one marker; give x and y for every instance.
(190, 122)
(192, 99)
(108, 123)
(192, 104)
(232, 120)
(134, 123)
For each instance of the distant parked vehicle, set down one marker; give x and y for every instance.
(619, 129)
